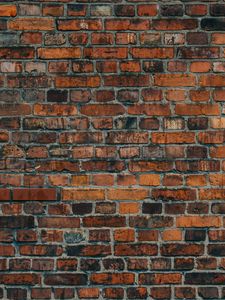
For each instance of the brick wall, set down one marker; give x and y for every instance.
(112, 133)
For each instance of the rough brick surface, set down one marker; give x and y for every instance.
(112, 139)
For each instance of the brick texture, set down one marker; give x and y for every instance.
(112, 142)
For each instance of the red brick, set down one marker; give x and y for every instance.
(91, 24)
(17, 53)
(43, 194)
(105, 53)
(57, 222)
(102, 110)
(175, 24)
(173, 137)
(152, 52)
(124, 80)
(83, 194)
(112, 279)
(147, 10)
(127, 24)
(77, 81)
(197, 109)
(175, 80)
(60, 53)
(160, 278)
(198, 221)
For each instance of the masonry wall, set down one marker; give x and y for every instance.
(112, 134)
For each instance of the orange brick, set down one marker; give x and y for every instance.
(175, 80)
(129, 208)
(172, 235)
(88, 293)
(196, 180)
(200, 67)
(127, 194)
(8, 10)
(198, 221)
(83, 194)
(124, 235)
(31, 24)
(149, 179)
(173, 138)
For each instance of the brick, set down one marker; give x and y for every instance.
(160, 293)
(127, 194)
(196, 10)
(54, 110)
(151, 208)
(175, 80)
(173, 137)
(159, 278)
(124, 235)
(152, 53)
(174, 24)
(149, 109)
(31, 24)
(126, 24)
(41, 293)
(101, 10)
(143, 166)
(197, 109)
(16, 53)
(62, 53)
(197, 53)
(34, 194)
(150, 222)
(68, 279)
(218, 38)
(182, 249)
(178, 194)
(88, 293)
(105, 53)
(91, 24)
(211, 194)
(124, 80)
(20, 279)
(208, 278)
(57, 222)
(8, 11)
(76, 10)
(198, 221)
(212, 24)
(127, 138)
(211, 80)
(116, 221)
(113, 293)
(31, 38)
(77, 81)
(112, 279)
(124, 10)
(53, 10)
(102, 110)
(100, 39)
(83, 194)
(149, 179)
(208, 292)
(172, 10)
(172, 235)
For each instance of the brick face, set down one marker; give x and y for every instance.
(112, 149)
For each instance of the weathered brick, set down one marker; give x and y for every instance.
(31, 24)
